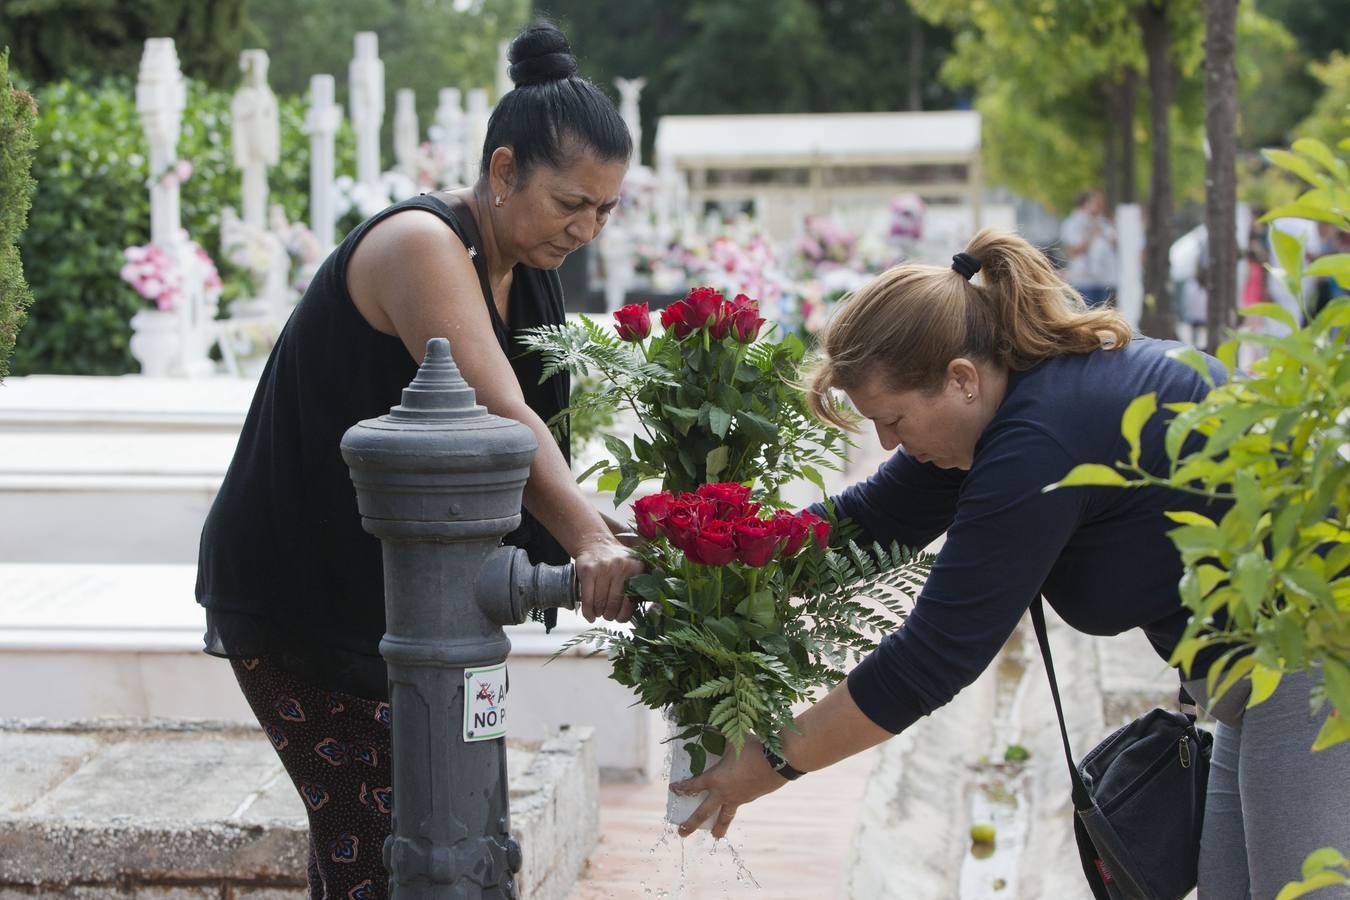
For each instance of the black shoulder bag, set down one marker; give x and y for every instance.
(1138, 799)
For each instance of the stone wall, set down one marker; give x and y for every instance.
(185, 811)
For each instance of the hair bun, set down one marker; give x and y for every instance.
(541, 53)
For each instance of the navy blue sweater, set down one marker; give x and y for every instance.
(1100, 556)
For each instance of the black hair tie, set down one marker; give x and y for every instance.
(966, 264)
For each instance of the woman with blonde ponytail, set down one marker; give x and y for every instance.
(990, 380)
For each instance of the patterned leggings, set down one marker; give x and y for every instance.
(335, 747)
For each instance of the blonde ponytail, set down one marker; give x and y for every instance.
(910, 321)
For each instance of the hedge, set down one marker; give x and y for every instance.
(91, 167)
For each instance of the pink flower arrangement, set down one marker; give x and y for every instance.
(156, 277)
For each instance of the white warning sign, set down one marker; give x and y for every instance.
(485, 703)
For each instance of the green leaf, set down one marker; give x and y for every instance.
(717, 461)
(728, 397)
(1315, 149)
(759, 607)
(1336, 675)
(725, 630)
(618, 448)
(1196, 360)
(1292, 162)
(812, 474)
(625, 488)
(1264, 682)
(1271, 311)
(1334, 730)
(1334, 265)
(1306, 583)
(1187, 517)
(1140, 410)
(698, 757)
(1325, 858)
(1295, 889)
(756, 427)
(719, 420)
(1253, 576)
(591, 470)
(1289, 251)
(608, 481)
(1303, 211)
(1089, 474)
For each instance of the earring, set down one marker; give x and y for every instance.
(499, 200)
(970, 396)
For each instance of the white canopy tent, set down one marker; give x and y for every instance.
(787, 164)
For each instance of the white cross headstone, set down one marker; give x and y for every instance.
(475, 132)
(406, 136)
(255, 134)
(629, 91)
(450, 136)
(366, 74)
(321, 124)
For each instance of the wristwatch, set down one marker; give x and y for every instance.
(781, 766)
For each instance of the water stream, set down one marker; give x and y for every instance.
(999, 789)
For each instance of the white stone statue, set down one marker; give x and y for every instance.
(449, 136)
(406, 134)
(629, 91)
(255, 133)
(321, 124)
(160, 97)
(475, 132)
(367, 106)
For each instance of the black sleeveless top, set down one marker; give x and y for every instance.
(285, 569)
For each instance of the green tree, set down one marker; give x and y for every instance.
(1329, 119)
(755, 56)
(801, 56)
(90, 39)
(1318, 27)
(17, 112)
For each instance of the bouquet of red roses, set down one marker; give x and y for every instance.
(747, 607)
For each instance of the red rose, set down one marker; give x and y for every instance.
(703, 304)
(680, 526)
(740, 301)
(675, 317)
(713, 545)
(633, 322)
(721, 325)
(819, 528)
(746, 322)
(791, 529)
(650, 513)
(729, 497)
(756, 541)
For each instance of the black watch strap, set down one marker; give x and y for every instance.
(781, 766)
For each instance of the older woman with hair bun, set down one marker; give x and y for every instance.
(989, 387)
(293, 588)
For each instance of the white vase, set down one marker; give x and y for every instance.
(155, 341)
(680, 807)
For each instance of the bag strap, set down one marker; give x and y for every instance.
(1081, 798)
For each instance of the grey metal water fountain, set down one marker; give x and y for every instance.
(439, 481)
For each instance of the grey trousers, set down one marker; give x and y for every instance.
(1271, 800)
